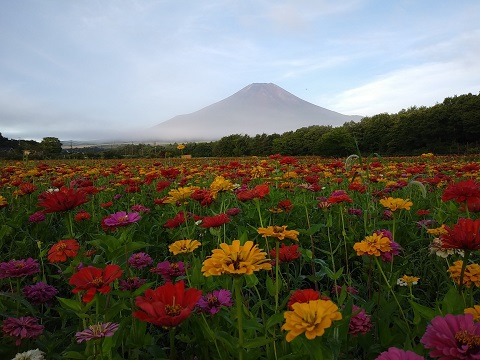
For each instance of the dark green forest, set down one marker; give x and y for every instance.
(448, 128)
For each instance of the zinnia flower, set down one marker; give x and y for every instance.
(214, 221)
(181, 194)
(311, 318)
(62, 250)
(475, 311)
(465, 192)
(212, 302)
(92, 279)
(286, 253)
(62, 200)
(25, 327)
(30, 355)
(470, 276)
(97, 331)
(279, 232)
(39, 293)
(220, 184)
(184, 246)
(19, 268)
(464, 235)
(82, 215)
(169, 270)
(140, 260)
(121, 218)
(453, 337)
(406, 280)
(373, 245)
(302, 296)
(398, 354)
(360, 322)
(168, 305)
(236, 259)
(3, 202)
(396, 203)
(131, 283)
(37, 217)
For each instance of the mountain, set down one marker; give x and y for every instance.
(256, 109)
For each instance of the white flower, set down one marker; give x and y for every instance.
(30, 355)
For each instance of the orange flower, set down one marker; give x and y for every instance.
(62, 250)
(279, 232)
(373, 245)
(396, 203)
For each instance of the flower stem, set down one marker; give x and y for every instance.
(239, 304)
(173, 353)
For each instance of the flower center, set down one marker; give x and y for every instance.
(96, 329)
(463, 337)
(97, 282)
(212, 300)
(61, 247)
(122, 219)
(173, 266)
(278, 229)
(173, 310)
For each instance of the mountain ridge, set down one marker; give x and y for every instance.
(255, 109)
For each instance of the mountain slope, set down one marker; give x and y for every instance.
(258, 108)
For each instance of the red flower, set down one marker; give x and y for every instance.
(286, 253)
(178, 220)
(107, 204)
(302, 296)
(258, 191)
(27, 188)
(62, 250)
(82, 215)
(464, 235)
(92, 279)
(168, 305)
(62, 200)
(466, 192)
(162, 185)
(285, 205)
(214, 221)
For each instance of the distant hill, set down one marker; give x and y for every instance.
(256, 109)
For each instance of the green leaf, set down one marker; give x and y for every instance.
(252, 280)
(274, 320)
(73, 355)
(70, 304)
(271, 286)
(421, 311)
(257, 342)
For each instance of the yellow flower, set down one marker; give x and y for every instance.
(396, 203)
(236, 259)
(475, 311)
(406, 280)
(180, 194)
(373, 245)
(183, 246)
(279, 232)
(311, 318)
(180, 147)
(220, 184)
(3, 201)
(471, 275)
(438, 231)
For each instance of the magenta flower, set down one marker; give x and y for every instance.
(388, 256)
(212, 302)
(139, 260)
(39, 293)
(140, 208)
(121, 218)
(398, 354)
(233, 211)
(25, 327)
(169, 270)
(131, 283)
(453, 337)
(19, 268)
(97, 331)
(37, 217)
(360, 323)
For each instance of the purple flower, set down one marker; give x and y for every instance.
(117, 196)
(360, 323)
(453, 337)
(25, 327)
(398, 354)
(387, 215)
(97, 331)
(212, 302)
(139, 260)
(39, 293)
(131, 283)
(140, 208)
(37, 217)
(388, 256)
(169, 270)
(18, 268)
(355, 212)
(121, 218)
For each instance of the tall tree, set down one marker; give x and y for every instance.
(51, 145)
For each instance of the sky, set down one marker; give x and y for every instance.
(97, 69)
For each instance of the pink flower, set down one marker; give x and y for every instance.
(121, 218)
(139, 260)
(18, 268)
(453, 337)
(25, 327)
(97, 331)
(169, 270)
(360, 323)
(398, 354)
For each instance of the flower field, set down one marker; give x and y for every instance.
(241, 258)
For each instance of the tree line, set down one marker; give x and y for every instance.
(450, 127)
